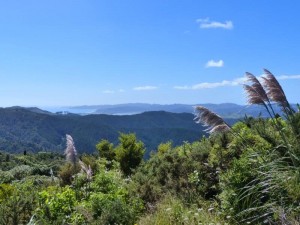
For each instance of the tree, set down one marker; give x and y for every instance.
(129, 153)
(105, 149)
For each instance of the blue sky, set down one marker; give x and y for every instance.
(88, 52)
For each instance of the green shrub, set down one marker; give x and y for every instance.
(171, 211)
(67, 172)
(183, 171)
(105, 150)
(17, 203)
(6, 177)
(57, 206)
(129, 153)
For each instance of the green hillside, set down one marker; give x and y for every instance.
(34, 130)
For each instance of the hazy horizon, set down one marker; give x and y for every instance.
(129, 103)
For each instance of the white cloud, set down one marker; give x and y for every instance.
(234, 82)
(145, 88)
(212, 63)
(206, 24)
(206, 85)
(286, 77)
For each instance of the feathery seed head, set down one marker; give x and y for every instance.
(274, 89)
(257, 86)
(219, 129)
(253, 97)
(87, 170)
(70, 150)
(214, 122)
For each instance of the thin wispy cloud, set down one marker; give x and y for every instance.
(207, 24)
(108, 92)
(213, 63)
(113, 92)
(226, 83)
(207, 85)
(145, 88)
(286, 77)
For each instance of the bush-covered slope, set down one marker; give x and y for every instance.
(22, 129)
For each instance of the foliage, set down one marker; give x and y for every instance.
(105, 149)
(129, 153)
(259, 186)
(171, 210)
(17, 203)
(103, 199)
(179, 172)
(58, 206)
(67, 173)
(164, 147)
(110, 200)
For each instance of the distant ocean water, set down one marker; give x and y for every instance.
(55, 109)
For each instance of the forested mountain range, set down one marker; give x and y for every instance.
(33, 130)
(226, 110)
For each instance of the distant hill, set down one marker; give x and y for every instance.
(35, 130)
(31, 109)
(226, 110)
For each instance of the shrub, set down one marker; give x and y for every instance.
(17, 203)
(67, 172)
(105, 149)
(171, 210)
(57, 206)
(129, 153)
(183, 171)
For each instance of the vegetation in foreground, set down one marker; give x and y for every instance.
(245, 174)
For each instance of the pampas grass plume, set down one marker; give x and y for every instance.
(70, 151)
